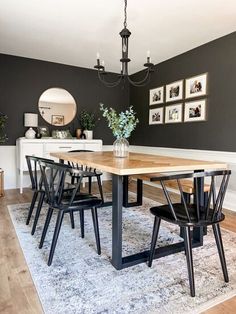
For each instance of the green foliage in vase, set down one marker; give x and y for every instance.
(121, 124)
(87, 120)
(3, 137)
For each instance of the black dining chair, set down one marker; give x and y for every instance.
(196, 215)
(37, 187)
(91, 173)
(54, 176)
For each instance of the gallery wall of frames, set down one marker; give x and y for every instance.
(179, 101)
(214, 125)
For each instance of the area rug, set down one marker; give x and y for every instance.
(80, 281)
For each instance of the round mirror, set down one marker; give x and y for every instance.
(57, 106)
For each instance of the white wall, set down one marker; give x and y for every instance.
(8, 163)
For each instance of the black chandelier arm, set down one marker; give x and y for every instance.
(142, 82)
(109, 84)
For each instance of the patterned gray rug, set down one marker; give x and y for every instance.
(80, 281)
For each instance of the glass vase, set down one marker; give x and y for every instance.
(121, 148)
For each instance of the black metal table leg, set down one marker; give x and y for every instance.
(139, 199)
(117, 200)
(199, 186)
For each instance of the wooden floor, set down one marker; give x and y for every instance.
(17, 290)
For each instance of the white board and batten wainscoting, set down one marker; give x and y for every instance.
(43, 147)
(8, 162)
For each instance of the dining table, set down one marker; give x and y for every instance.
(134, 164)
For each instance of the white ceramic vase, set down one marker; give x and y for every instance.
(88, 134)
(30, 133)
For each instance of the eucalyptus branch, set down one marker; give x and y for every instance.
(121, 124)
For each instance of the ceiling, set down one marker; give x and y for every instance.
(72, 31)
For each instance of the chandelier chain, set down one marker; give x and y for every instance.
(125, 14)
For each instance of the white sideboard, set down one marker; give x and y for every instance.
(43, 147)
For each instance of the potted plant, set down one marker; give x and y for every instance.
(3, 119)
(87, 123)
(122, 125)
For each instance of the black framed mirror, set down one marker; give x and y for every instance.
(57, 106)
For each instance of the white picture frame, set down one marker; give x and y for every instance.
(196, 86)
(174, 113)
(156, 96)
(156, 116)
(195, 111)
(174, 91)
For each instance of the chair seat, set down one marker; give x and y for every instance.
(164, 212)
(81, 200)
(88, 174)
(187, 185)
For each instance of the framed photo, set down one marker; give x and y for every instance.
(195, 111)
(174, 91)
(174, 113)
(196, 86)
(57, 120)
(156, 96)
(44, 131)
(156, 116)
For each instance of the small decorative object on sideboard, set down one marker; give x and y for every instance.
(31, 121)
(122, 125)
(38, 134)
(82, 135)
(78, 133)
(44, 131)
(61, 134)
(87, 123)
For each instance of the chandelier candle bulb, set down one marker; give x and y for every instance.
(103, 63)
(148, 53)
(98, 59)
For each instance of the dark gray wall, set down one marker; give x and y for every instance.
(23, 80)
(218, 58)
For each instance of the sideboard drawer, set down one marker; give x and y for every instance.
(32, 149)
(61, 147)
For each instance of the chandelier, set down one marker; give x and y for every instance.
(124, 73)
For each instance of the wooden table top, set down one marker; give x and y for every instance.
(136, 163)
